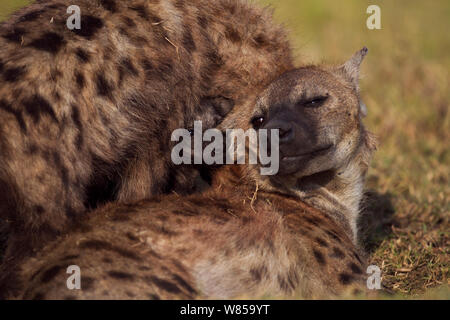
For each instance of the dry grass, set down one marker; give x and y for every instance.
(406, 88)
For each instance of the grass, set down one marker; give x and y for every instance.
(405, 86)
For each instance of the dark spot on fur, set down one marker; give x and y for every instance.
(64, 173)
(120, 218)
(165, 67)
(179, 4)
(256, 274)
(17, 114)
(345, 278)
(232, 34)
(89, 26)
(56, 6)
(356, 256)
(15, 35)
(37, 107)
(184, 284)
(79, 78)
(260, 41)
(153, 296)
(70, 257)
(321, 242)
(38, 296)
(55, 74)
(141, 11)
(82, 55)
(107, 260)
(130, 294)
(39, 209)
(126, 67)
(109, 5)
(103, 87)
(49, 41)
(164, 284)
(147, 65)
(123, 31)
(31, 16)
(144, 268)
(159, 33)
(162, 217)
(50, 274)
(103, 186)
(87, 283)
(76, 117)
(312, 220)
(131, 236)
(69, 210)
(247, 219)
(70, 298)
(129, 22)
(355, 268)
(188, 40)
(285, 283)
(185, 213)
(103, 245)
(202, 21)
(319, 256)
(337, 253)
(139, 41)
(13, 74)
(120, 275)
(223, 205)
(56, 96)
(334, 236)
(357, 292)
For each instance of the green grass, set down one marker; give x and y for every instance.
(8, 6)
(405, 86)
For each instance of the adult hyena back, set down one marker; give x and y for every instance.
(80, 108)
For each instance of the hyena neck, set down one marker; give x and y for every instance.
(339, 192)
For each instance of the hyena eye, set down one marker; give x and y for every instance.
(315, 102)
(257, 122)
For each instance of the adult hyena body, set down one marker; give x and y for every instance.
(87, 114)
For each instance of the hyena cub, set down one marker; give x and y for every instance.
(285, 235)
(86, 114)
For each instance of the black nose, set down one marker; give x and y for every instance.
(286, 133)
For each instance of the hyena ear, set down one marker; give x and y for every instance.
(350, 69)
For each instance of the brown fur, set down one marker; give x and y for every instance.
(247, 236)
(86, 115)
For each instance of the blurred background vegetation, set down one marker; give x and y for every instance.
(405, 86)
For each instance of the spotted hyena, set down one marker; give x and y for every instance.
(86, 114)
(285, 235)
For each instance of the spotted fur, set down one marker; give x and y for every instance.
(86, 115)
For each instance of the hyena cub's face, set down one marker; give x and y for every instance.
(318, 114)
